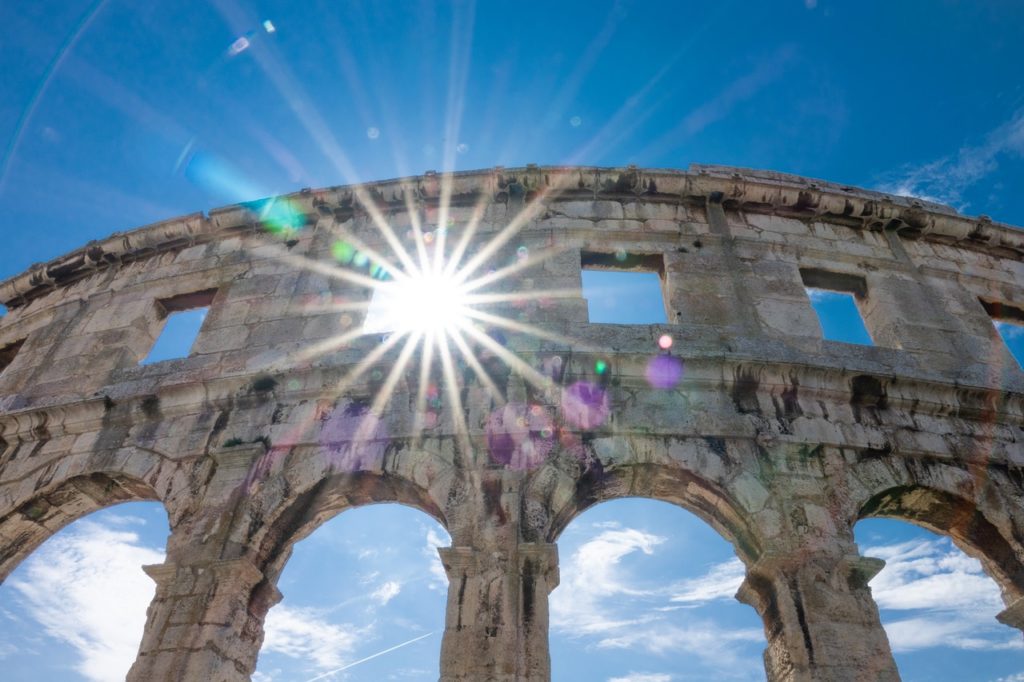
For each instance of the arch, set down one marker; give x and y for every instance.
(655, 586)
(328, 497)
(939, 607)
(373, 559)
(31, 521)
(85, 589)
(959, 518)
(666, 483)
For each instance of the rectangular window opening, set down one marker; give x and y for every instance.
(8, 353)
(834, 297)
(385, 309)
(623, 288)
(1009, 322)
(183, 317)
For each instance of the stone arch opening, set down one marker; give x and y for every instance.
(648, 590)
(356, 585)
(84, 593)
(32, 521)
(673, 484)
(961, 519)
(328, 497)
(938, 606)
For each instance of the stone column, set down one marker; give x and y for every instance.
(820, 620)
(1013, 615)
(205, 622)
(496, 625)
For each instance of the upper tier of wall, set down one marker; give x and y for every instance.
(752, 191)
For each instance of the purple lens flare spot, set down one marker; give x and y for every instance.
(664, 371)
(585, 405)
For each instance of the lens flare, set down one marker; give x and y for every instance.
(429, 303)
(664, 371)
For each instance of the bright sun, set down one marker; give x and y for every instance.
(428, 303)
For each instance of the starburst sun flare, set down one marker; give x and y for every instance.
(430, 305)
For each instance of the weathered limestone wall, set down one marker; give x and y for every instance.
(779, 439)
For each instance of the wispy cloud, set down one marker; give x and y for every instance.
(765, 71)
(704, 639)
(1018, 677)
(720, 582)
(439, 579)
(933, 595)
(86, 588)
(642, 677)
(386, 592)
(580, 604)
(305, 634)
(947, 179)
(595, 575)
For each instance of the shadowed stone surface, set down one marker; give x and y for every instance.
(777, 438)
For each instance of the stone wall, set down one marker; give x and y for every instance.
(778, 438)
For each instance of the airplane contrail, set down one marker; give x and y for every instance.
(364, 660)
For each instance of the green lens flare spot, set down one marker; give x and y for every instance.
(343, 252)
(600, 366)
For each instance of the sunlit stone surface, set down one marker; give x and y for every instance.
(505, 413)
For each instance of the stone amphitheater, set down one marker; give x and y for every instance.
(778, 438)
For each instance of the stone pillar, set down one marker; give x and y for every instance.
(205, 622)
(496, 625)
(820, 620)
(1013, 615)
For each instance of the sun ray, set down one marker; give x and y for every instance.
(302, 107)
(426, 369)
(496, 242)
(336, 272)
(365, 364)
(345, 307)
(441, 231)
(327, 345)
(396, 373)
(387, 389)
(452, 388)
(524, 328)
(520, 295)
(467, 234)
(525, 370)
(373, 254)
(478, 369)
(392, 240)
(459, 50)
(512, 229)
(417, 228)
(530, 261)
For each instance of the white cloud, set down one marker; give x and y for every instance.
(86, 587)
(584, 605)
(592, 575)
(386, 592)
(439, 578)
(720, 582)
(642, 677)
(946, 180)
(953, 602)
(1019, 677)
(927, 632)
(304, 634)
(705, 639)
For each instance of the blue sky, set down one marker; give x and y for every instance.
(115, 115)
